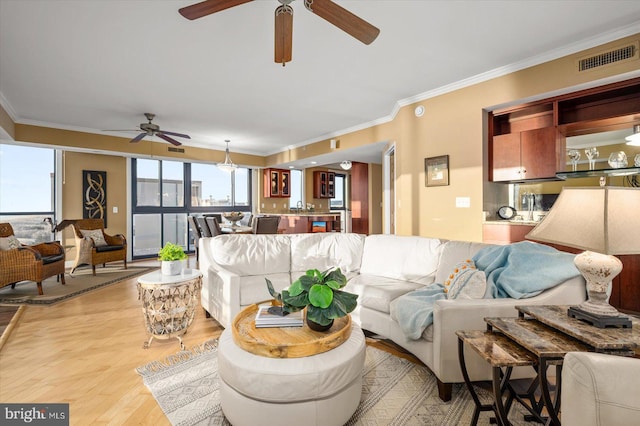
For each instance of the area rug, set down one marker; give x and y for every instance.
(82, 281)
(395, 392)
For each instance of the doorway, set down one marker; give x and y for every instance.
(389, 182)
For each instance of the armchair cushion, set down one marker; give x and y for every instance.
(102, 249)
(9, 243)
(96, 235)
(46, 260)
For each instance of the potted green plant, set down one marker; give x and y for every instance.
(173, 259)
(318, 292)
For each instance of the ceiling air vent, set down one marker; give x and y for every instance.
(174, 149)
(625, 53)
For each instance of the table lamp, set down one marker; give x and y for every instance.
(604, 221)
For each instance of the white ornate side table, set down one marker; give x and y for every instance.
(169, 303)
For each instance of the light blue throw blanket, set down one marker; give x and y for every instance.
(516, 271)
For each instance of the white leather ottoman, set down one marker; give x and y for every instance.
(322, 389)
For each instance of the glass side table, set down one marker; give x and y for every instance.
(169, 303)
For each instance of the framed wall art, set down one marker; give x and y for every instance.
(436, 170)
(94, 195)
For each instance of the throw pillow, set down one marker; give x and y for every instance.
(466, 282)
(9, 243)
(96, 235)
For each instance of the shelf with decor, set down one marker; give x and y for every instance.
(624, 171)
(324, 184)
(277, 183)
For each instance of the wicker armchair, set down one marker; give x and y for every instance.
(89, 250)
(30, 263)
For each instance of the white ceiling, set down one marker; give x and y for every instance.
(100, 64)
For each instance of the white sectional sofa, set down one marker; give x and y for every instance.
(380, 269)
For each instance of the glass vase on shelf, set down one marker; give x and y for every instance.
(592, 155)
(618, 160)
(574, 157)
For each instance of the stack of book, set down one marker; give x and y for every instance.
(266, 319)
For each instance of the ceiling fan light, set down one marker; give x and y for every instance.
(346, 165)
(228, 165)
(634, 139)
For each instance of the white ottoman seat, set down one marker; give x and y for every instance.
(323, 389)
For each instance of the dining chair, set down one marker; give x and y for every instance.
(196, 233)
(204, 227)
(214, 225)
(266, 224)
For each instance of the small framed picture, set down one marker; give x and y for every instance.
(436, 170)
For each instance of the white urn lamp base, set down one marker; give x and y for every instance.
(598, 270)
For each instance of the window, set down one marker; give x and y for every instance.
(296, 192)
(27, 191)
(339, 202)
(162, 206)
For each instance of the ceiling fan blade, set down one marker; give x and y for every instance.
(180, 135)
(284, 34)
(168, 139)
(139, 137)
(208, 7)
(343, 19)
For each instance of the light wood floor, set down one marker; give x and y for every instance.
(84, 352)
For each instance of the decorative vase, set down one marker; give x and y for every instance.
(318, 327)
(171, 267)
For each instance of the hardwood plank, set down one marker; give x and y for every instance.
(84, 352)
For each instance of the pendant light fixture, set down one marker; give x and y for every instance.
(634, 139)
(228, 165)
(346, 165)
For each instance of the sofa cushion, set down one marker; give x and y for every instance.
(376, 292)
(253, 289)
(325, 251)
(47, 260)
(406, 258)
(466, 282)
(454, 252)
(252, 254)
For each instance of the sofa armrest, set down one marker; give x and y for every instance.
(599, 389)
(220, 293)
(450, 316)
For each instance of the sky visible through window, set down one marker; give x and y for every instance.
(26, 179)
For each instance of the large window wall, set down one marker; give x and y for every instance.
(27, 191)
(166, 192)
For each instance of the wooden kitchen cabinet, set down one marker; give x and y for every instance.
(277, 183)
(324, 183)
(530, 154)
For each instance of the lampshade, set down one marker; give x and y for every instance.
(346, 164)
(634, 139)
(228, 165)
(601, 219)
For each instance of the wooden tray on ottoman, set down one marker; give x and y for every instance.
(286, 342)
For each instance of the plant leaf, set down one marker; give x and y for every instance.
(272, 291)
(299, 301)
(337, 275)
(295, 288)
(318, 315)
(307, 281)
(343, 303)
(320, 296)
(333, 284)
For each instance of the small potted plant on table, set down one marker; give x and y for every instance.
(318, 292)
(173, 259)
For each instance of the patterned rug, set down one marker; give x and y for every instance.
(395, 392)
(82, 281)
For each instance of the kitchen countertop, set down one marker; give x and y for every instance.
(303, 214)
(511, 222)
